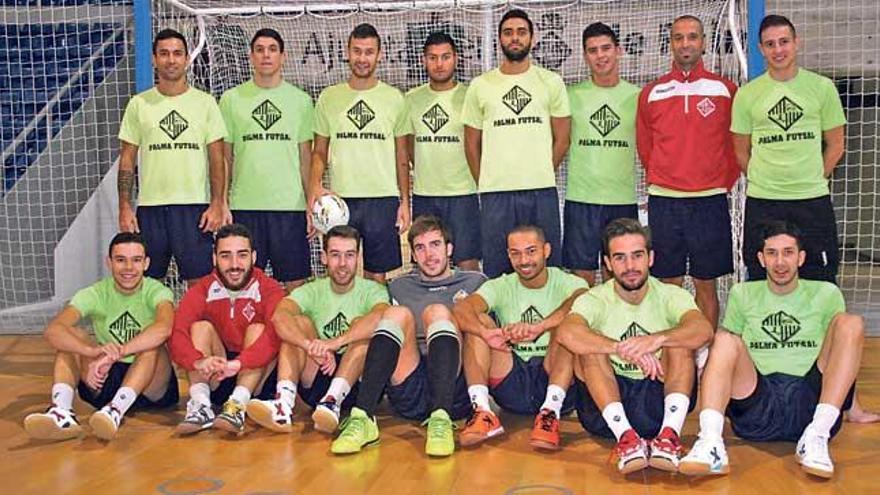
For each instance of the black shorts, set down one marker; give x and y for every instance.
(411, 398)
(313, 394)
(500, 212)
(221, 394)
(173, 230)
(780, 407)
(112, 384)
(584, 224)
(375, 219)
(460, 215)
(691, 236)
(279, 239)
(815, 217)
(524, 389)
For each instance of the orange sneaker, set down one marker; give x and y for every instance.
(481, 426)
(545, 433)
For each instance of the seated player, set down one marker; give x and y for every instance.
(782, 366)
(525, 369)
(324, 327)
(223, 336)
(635, 338)
(416, 349)
(126, 364)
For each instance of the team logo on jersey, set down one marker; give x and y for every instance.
(516, 99)
(705, 107)
(461, 294)
(633, 330)
(785, 113)
(360, 114)
(531, 315)
(780, 326)
(248, 311)
(604, 120)
(124, 328)
(435, 118)
(266, 114)
(173, 124)
(336, 327)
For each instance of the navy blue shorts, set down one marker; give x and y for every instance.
(312, 395)
(584, 224)
(459, 214)
(643, 403)
(173, 230)
(375, 219)
(279, 239)
(411, 398)
(780, 407)
(524, 389)
(112, 384)
(815, 217)
(221, 394)
(691, 235)
(500, 212)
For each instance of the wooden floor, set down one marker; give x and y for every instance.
(146, 458)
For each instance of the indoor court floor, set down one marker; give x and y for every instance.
(145, 458)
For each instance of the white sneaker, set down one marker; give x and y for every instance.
(708, 456)
(105, 422)
(54, 424)
(326, 415)
(275, 415)
(198, 417)
(812, 454)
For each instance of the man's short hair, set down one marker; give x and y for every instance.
(365, 31)
(516, 14)
(773, 228)
(620, 227)
(167, 34)
(689, 17)
(775, 20)
(528, 228)
(233, 230)
(427, 223)
(440, 38)
(597, 29)
(126, 238)
(342, 232)
(268, 33)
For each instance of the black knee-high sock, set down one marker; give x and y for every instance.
(382, 354)
(444, 363)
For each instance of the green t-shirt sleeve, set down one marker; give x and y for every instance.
(322, 125)
(85, 301)
(740, 120)
(679, 302)
(400, 122)
(408, 127)
(228, 118)
(304, 297)
(216, 127)
(589, 307)
(734, 319)
(376, 294)
(159, 293)
(129, 130)
(489, 292)
(572, 283)
(833, 304)
(559, 106)
(471, 112)
(307, 129)
(832, 110)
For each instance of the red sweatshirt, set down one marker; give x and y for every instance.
(683, 131)
(208, 300)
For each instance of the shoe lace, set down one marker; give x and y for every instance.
(438, 428)
(353, 427)
(231, 408)
(817, 445)
(548, 420)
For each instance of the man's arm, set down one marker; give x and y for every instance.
(834, 142)
(62, 336)
(318, 165)
(229, 160)
(361, 328)
(742, 149)
(286, 325)
(644, 133)
(561, 129)
(576, 335)
(402, 163)
(692, 332)
(217, 214)
(525, 332)
(467, 313)
(155, 334)
(125, 187)
(305, 169)
(473, 150)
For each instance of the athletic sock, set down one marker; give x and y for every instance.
(675, 409)
(286, 391)
(62, 396)
(480, 397)
(201, 393)
(241, 394)
(382, 355)
(444, 363)
(711, 423)
(823, 419)
(123, 399)
(554, 399)
(615, 417)
(339, 389)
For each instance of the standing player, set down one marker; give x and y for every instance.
(516, 134)
(519, 360)
(442, 181)
(223, 336)
(784, 364)
(601, 163)
(683, 140)
(360, 135)
(324, 327)
(269, 150)
(179, 133)
(416, 348)
(126, 364)
(629, 333)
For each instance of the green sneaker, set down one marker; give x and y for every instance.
(441, 440)
(357, 431)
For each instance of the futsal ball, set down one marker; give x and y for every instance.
(328, 212)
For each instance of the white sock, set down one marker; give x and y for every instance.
(201, 393)
(554, 399)
(123, 399)
(711, 423)
(62, 396)
(675, 409)
(823, 419)
(286, 390)
(339, 389)
(615, 416)
(240, 394)
(480, 397)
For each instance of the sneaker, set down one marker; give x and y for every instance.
(481, 426)
(231, 418)
(812, 455)
(54, 424)
(440, 441)
(665, 450)
(105, 422)
(545, 433)
(198, 417)
(275, 415)
(708, 456)
(358, 431)
(326, 415)
(631, 452)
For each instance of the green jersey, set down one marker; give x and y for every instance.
(172, 134)
(118, 317)
(601, 160)
(513, 112)
(434, 120)
(362, 127)
(606, 313)
(266, 127)
(786, 120)
(333, 313)
(512, 302)
(783, 334)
